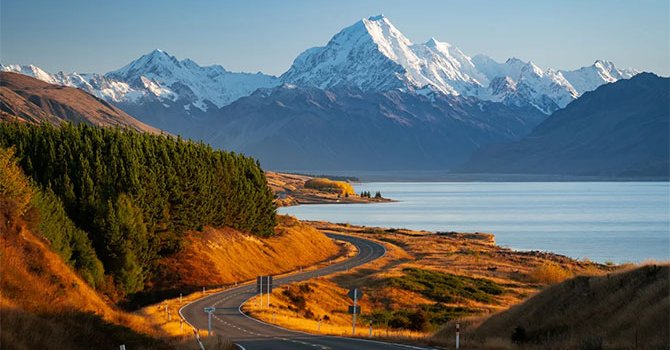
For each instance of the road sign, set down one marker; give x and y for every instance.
(354, 310)
(355, 293)
(210, 309)
(263, 284)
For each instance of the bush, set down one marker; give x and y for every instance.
(327, 185)
(550, 273)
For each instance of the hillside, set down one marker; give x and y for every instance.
(424, 281)
(628, 310)
(620, 130)
(35, 101)
(133, 196)
(218, 257)
(44, 302)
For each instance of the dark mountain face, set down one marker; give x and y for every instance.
(619, 130)
(312, 129)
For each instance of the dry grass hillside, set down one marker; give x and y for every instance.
(218, 257)
(44, 304)
(33, 100)
(626, 310)
(425, 281)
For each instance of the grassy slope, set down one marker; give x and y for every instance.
(45, 305)
(217, 257)
(622, 310)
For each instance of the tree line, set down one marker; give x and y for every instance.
(136, 194)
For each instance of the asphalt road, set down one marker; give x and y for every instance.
(252, 334)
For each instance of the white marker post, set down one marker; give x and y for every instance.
(269, 288)
(458, 335)
(122, 347)
(260, 300)
(180, 298)
(353, 328)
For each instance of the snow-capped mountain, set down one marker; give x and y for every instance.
(591, 77)
(373, 55)
(159, 77)
(170, 79)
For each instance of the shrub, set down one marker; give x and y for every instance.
(550, 273)
(323, 184)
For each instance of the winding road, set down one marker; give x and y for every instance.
(251, 334)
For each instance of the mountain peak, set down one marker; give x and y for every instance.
(379, 17)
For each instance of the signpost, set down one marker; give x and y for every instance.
(354, 294)
(209, 310)
(268, 288)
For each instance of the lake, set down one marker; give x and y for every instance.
(601, 221)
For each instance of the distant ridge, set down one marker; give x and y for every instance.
(618, 130)
(32, 100)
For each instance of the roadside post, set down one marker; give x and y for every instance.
(180, 298)
(355, 294)
(370, 334)
(259, 289)
(458, 335)
(122, 347)
(209, 310)
(269, 288)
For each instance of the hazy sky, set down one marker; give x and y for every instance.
(250, 35)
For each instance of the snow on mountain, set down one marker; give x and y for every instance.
(374, 55)
(371, 55)
(157, 76)
(601, 72)
(29, 70)
(170, 79)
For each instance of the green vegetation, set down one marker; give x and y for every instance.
(424, 318)
(134, 194)
(45, 215)
(445, 287)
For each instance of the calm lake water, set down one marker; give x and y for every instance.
(602, 221)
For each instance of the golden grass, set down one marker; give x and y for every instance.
(219, 257)
(472, 255)
(629, 309)
(549, 273)
(324, 311)
(45, 304)
(297, 246)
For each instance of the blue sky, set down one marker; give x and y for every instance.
(250, 35)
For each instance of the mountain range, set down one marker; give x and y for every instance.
(368, 99)
(618, 130)
(372, 55)
(31, 100)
